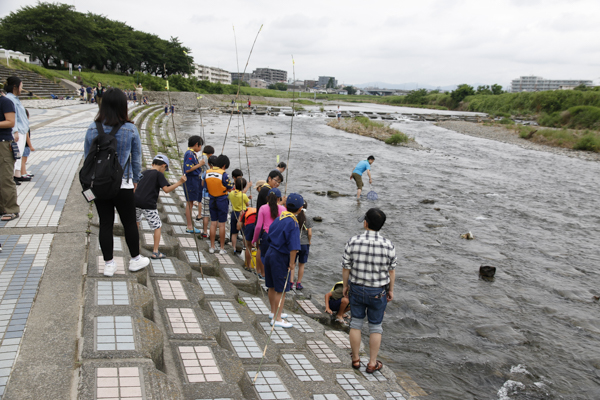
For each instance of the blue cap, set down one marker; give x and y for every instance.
(162, 158)
(295, 200)
(276, 192)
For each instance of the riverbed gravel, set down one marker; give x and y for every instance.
(505, 135)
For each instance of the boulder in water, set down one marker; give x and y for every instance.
(428, 201)
(320, 193)
(487, 272)
(468, 236)
(333, 193)
(317, 219)
(501, 334)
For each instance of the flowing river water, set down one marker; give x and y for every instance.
(532, 332)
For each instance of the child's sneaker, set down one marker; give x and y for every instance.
(283, 315)
(140, 262)
(110, 268)
(204, 236)
(282, 324)
(299, 286)
(223, 252)
(211, 250)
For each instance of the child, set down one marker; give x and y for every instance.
(26, 152)
(218, 185)
(191, 167)
(239, 201)
(146, 195)
(284, 243)
(266, 215)
(305, 239)
(335, 301)
(208, 151)
(167, 109)
(246, 224)
(237, 173)
(206, 197)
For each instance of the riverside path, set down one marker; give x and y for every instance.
(191, 326)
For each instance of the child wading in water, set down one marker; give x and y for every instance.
(305, 239)
(146, 196)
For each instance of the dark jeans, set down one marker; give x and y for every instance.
(125, 205)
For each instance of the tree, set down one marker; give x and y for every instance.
(497, 89)
(484, 89)
(278, 86)
(330, 83)
(350, 89)
(460, 93)
(417, 97)
(237, 82)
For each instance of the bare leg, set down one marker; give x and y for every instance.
(248, 254)
(374, 343)
(300, 272)
(213, 233)
(358, 192)
(343, 307)
(260, 269)
(188, 214)
(156, 240)
(221, 234)
(355, 343)
(272, 303)
(205, 224)
(234, 241)
(23, 166)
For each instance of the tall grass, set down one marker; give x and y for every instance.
(567, 138)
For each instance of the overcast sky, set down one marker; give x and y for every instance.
(431, 42)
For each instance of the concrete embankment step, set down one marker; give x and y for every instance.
(32, 82)
(194, 325)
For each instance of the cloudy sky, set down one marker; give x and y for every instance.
(430, 42)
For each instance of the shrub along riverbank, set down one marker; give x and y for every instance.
(366, 127)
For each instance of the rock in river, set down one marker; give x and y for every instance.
(317, 219)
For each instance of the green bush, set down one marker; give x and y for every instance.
(397, 138)
(506, 121)
(584, 117)
(368, 123)
(589, 142)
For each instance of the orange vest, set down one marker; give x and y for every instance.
(249, 216)
(214, 182)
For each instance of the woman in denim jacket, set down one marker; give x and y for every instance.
(113, 112)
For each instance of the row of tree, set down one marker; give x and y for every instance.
(52, 32)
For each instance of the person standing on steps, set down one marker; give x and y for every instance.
(99, 92)
(359, 170)
(13, 88)
(113, 113)
(369, 270)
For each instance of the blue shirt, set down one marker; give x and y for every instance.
(6, 106)
(189, 160)
(21, 120)
(128, 146)
(361, 167)
(284, 235)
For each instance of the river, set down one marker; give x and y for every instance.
(533, 332)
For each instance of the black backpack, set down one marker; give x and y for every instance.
(101, 171)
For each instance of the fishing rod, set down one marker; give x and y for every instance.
(239, 85)
(185, 185)
(287, 170)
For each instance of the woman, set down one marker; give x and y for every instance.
(266, 215)
(9, 209)
(113, 112)
(13, 88)
(99, 94)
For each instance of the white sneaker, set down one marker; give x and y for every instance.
(222, 252)
(283, 315)
(110, 268)
(211, 250)
(282, 324)
(140, 263)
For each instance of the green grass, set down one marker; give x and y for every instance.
(306, 102)
(567, 138)
(368, 123)
(589, 142)
(397, 138)
(506, 121)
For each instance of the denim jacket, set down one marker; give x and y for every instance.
(21, 120)
(128, 144)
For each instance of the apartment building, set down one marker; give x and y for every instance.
(270, 75)
(212, 74)
(538, 84)
(245, 77)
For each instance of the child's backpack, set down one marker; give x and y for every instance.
(101, 171)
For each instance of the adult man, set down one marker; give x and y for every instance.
(88, 91)
(369, 263)
(359, 170)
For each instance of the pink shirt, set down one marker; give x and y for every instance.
(264, 220)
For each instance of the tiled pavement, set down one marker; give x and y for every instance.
(190, 310)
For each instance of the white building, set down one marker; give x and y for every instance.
(258, 83)
(538, 84)
(211, 74)
(11, 54)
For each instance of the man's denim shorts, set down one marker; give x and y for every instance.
(368, 301)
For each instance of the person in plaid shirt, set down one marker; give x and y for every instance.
(369, 263)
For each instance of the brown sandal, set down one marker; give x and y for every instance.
(356, 364)
(377, 367)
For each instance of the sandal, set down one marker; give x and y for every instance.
(355, 363)
(341, 321)
(9, 217)
(377, 367)
(158, 256)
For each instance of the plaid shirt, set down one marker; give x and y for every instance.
(369, 257)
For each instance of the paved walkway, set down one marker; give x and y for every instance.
(192, 326)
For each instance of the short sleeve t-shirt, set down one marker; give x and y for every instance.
(189, 160)
(338, 292)
(361, 167)
(238, 200)
(308, 224)
(284, 235)
(6, 106)
(148, 188)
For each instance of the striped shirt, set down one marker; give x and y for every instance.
(369, 257)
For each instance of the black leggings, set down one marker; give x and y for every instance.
(125, 205)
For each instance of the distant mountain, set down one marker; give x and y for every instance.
(409, 86)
